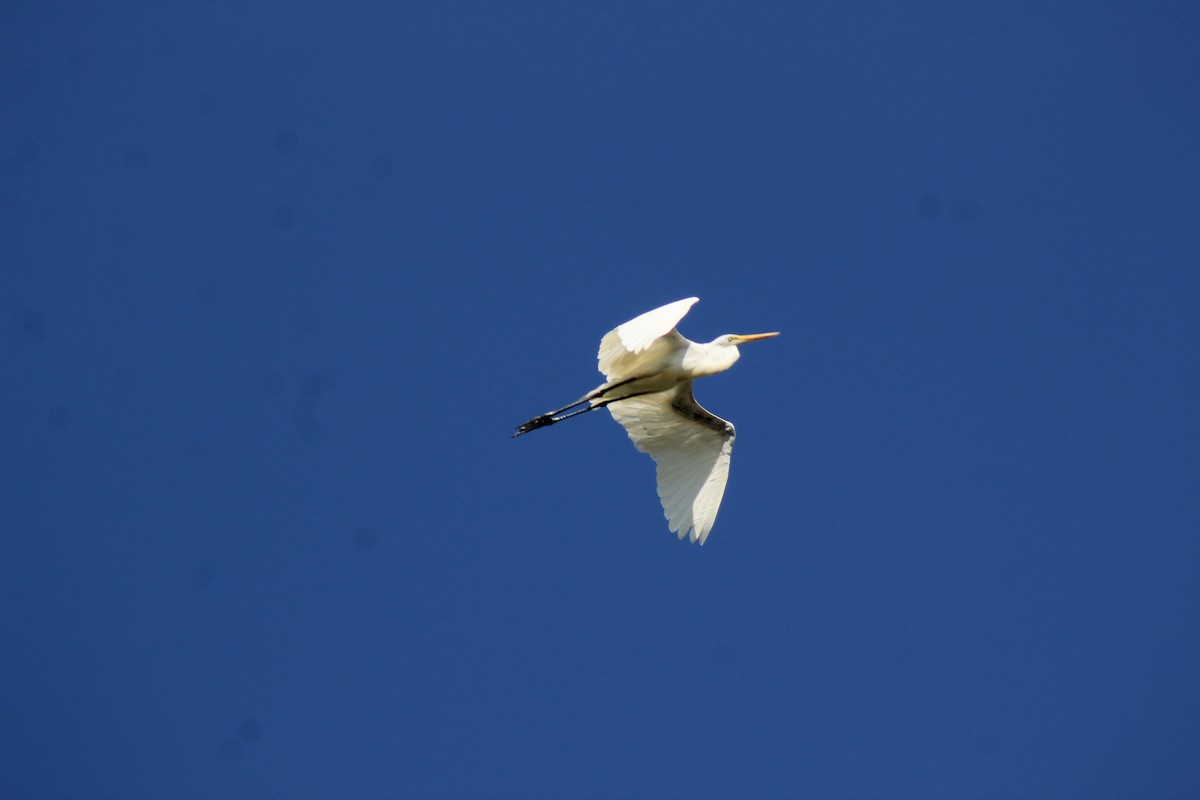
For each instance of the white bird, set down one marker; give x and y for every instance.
(649, 368)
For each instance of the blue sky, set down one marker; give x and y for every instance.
(278, 280)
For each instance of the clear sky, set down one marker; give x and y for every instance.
(277, 281)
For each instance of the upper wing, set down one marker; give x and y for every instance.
(691, 448)
(620, 346)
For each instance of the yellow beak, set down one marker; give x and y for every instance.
(750, 337)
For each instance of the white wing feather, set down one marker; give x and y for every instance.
(621, 344)
(691, 447)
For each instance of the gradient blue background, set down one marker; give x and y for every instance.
(277, 281)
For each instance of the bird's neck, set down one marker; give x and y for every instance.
(710, 358)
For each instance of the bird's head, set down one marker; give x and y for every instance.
(722, 352)
(735, 339)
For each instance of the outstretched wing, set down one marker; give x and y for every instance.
(691, 448)
(620, 347)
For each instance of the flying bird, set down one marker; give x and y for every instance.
(648, 369)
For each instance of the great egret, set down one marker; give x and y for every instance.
(649, 369)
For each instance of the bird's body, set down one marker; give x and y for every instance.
(649, 368)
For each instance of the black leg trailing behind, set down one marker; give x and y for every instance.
(549, 417)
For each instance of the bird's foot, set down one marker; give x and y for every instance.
(535, 423)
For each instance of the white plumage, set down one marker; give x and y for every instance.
(649, 368)
(621, 347)
(691, 450)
